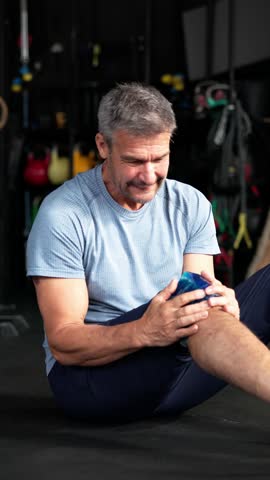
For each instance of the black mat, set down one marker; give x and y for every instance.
(227, 437)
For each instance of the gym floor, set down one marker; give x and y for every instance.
(227, 437)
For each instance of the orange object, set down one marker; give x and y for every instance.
(81, 161)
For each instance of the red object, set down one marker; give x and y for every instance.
(36, 170)
(255, 190)
(19, 41)
(224, 257)
(219, 95)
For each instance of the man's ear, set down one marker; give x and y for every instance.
(102, 146)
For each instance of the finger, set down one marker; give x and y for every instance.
(221, 290)
(188, 331)
(187, 320)
(210, 277)
(217, 289)
(186, 298)
(193, 308)
(233, 310)
(166, 293)
(219, 301)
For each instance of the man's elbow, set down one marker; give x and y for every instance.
(61, 344)
(64, 358)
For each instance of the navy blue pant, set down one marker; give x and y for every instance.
(156, 380)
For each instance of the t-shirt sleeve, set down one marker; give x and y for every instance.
(55, 243)
(202, 237)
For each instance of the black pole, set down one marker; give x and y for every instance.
(74, 80)
(210, 20)
(231, 35)
(4, 202)
(147, 41)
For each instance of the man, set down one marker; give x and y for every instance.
(105, 253)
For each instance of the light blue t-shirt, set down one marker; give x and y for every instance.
(126, 257)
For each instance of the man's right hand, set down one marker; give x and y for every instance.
(168, 320)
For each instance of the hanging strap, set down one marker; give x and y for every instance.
(242, 233)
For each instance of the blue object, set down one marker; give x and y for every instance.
(192, 281)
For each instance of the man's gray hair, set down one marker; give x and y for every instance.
(139, 109)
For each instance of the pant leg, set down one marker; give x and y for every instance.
(253, 296)
(194, 385)
(128, 388)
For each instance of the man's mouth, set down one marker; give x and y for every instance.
(145, 187)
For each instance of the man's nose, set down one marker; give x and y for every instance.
(148, 173)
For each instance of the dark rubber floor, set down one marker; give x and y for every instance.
(226, 438)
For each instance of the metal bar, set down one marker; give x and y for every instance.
(210, 20)
(4, 214)
(24, 32)
(231, 34)
(147, 42)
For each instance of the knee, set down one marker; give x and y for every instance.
(212, 329)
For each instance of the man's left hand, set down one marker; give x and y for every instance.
(226, 299)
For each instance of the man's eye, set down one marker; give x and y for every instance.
(136, 162)
(159, 160)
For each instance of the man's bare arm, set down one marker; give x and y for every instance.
(63, 304)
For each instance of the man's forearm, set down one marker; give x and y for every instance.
(90, 345)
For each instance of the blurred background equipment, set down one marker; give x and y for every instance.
(60, 61)
(12, 323)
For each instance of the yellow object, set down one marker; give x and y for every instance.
(27, 77)
(59, 168)
(82, 163)
(176, 81)
(166, 78)
(15, 87)
(96, 54)
(61, 119)
(242, 233)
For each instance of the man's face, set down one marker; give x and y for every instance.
(134, 167)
